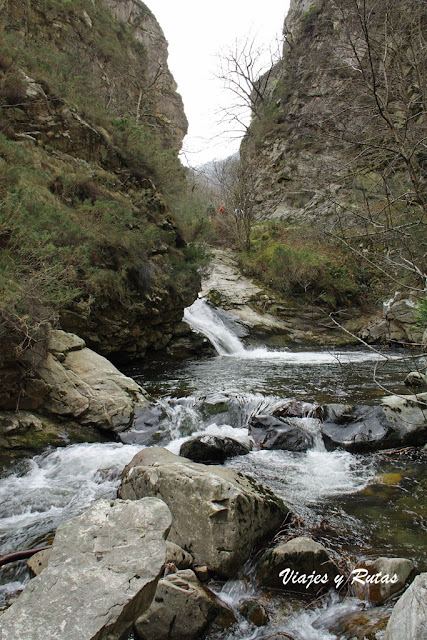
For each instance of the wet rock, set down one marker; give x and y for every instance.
(87, 387)
(361, 625)
(408, 417)
(147, 428)
(409, 616)
(357, 428)
(416, 380)
(270, 432)
(215, 408)
(182, 609)
(176, 555)
(218, 513)
(212, 449)
(297, 409)
(399, 570)
(254, 612)
(298, 557)
(38, 562)
(102, 572)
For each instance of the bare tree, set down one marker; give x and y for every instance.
(248, 71)
(381, 118)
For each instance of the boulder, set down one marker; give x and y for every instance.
(102, 573)
(38, 562)
(255, 612)
(270, 432)
(85, 386)
(408, 620)
(212, 449)
(182, 609)
(177, 556)
(296, 409)
(357, 428)
(408, 417)
(218, 513)
(297, 558)
(416, 380)
(399, 570)
(148, 427)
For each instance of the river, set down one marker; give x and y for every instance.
(371, 503)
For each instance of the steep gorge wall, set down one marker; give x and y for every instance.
(90, 128)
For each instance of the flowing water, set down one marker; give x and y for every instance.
(371, 504)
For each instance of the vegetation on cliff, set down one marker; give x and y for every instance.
(90, 126)
(337, 149)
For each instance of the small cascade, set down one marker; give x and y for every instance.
(204, 318)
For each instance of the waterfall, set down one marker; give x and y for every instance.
(203, 318)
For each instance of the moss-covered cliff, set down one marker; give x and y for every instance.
(90, 127)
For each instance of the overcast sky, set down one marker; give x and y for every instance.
(197, 31)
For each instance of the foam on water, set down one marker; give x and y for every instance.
(55, 486)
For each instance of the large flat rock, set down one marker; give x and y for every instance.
(218, 513)
(102, 574)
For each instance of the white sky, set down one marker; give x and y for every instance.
(197, 31)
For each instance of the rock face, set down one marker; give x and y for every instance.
(103, 572)
(269, 432)
(86, 386)
(409, 617)
(182, 609)
(218, 514)
(297, 557)
(212, 449)
(166, 101)
(398, 323)
(377, 593)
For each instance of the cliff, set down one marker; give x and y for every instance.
(346, 99)
(90, 128)
(336, 147)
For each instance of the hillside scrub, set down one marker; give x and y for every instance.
(89, 175)
(293, 263)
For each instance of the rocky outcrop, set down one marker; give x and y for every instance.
(212, 449)
(227, 287)
(166, 102)
(255, 311)
(409, 616)
(182, 609)
(218, 513)
(102, 573)
(80, 396)
(298, 560)
(394, 573)
(398, 323)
